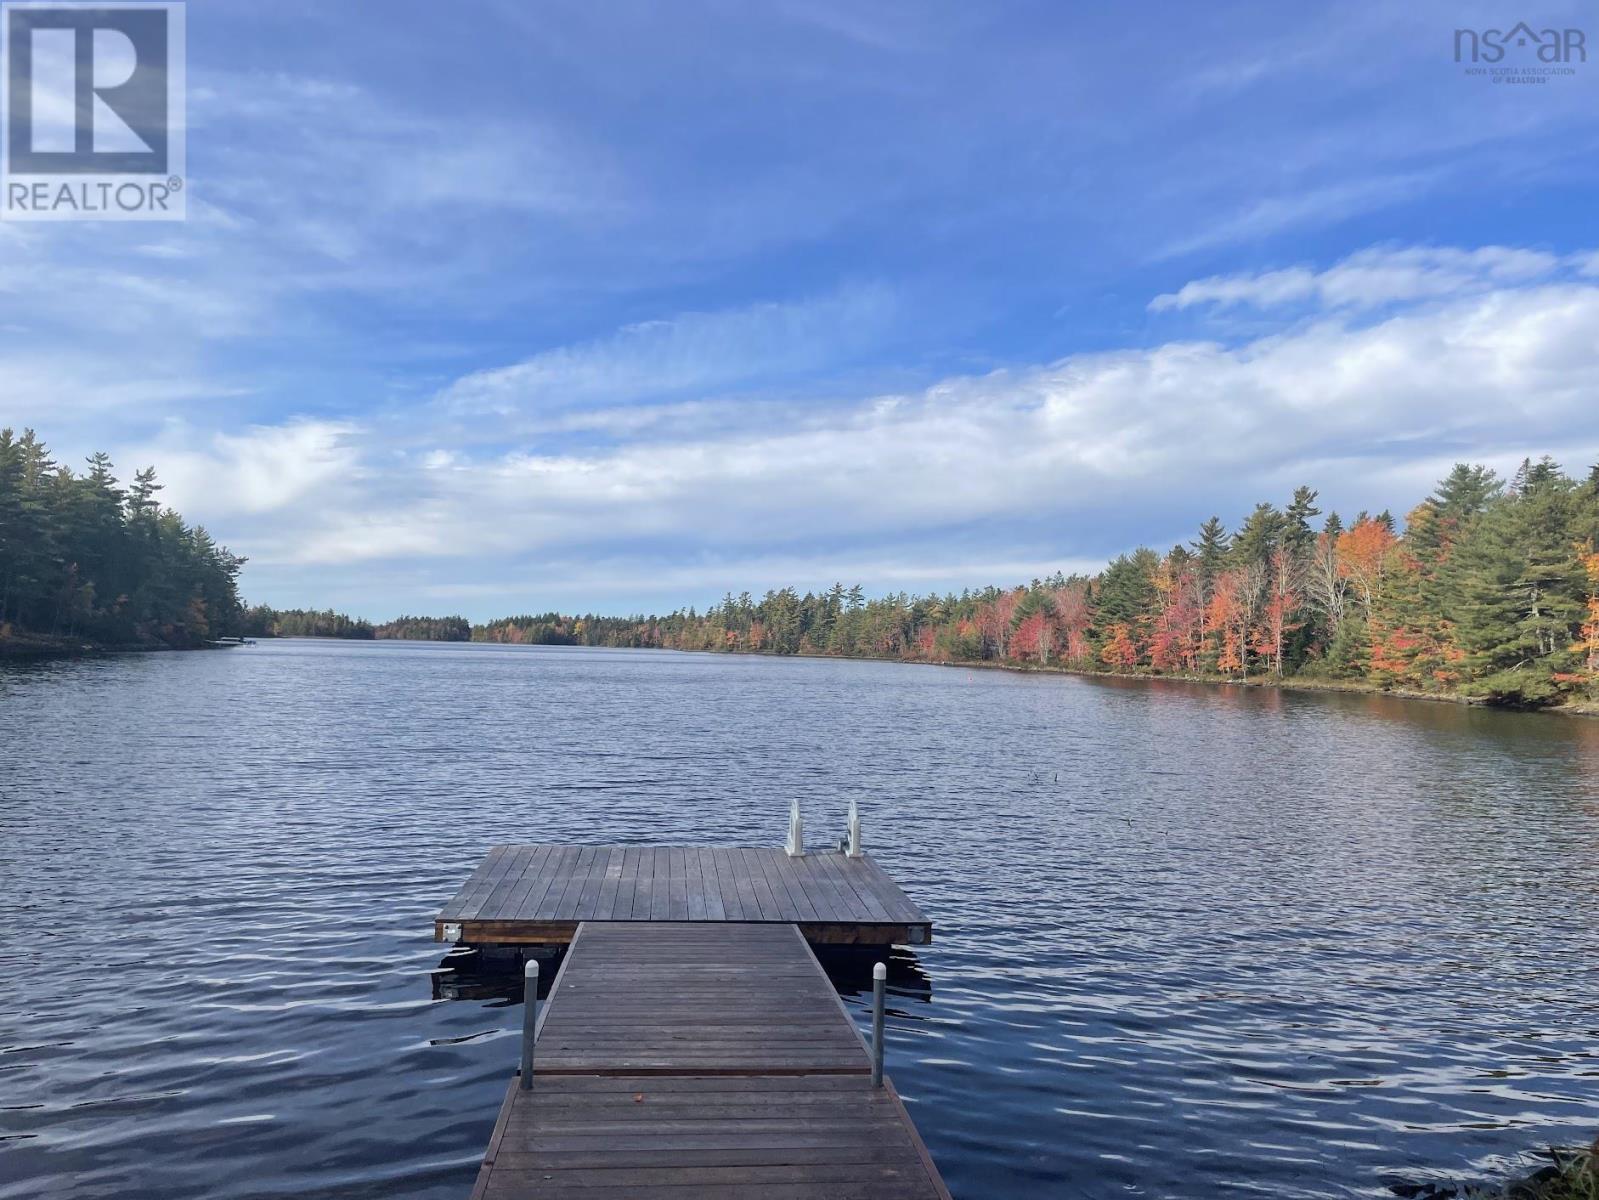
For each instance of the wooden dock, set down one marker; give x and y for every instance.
(705, 1059)
(529, 895)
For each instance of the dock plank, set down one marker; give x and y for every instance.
(701, 1060)
(695, 997)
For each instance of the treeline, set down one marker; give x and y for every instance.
(1491, 589)
(554, 629)
(427, 629)
(84, 558)
(262, 621)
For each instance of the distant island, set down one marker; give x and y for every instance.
(1490, 591)
(262, 621)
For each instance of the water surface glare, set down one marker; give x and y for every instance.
(1190, 941)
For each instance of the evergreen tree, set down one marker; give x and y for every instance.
(1523, 589)
(1210, 553)
(1260, 534)
(83, 557)
(1298, 533)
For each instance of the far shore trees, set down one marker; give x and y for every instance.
(1490, 590)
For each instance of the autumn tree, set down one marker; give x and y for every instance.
(1282, 601)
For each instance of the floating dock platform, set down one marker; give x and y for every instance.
(691, 1046)
(538, 895)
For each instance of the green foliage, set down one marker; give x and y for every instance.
(426, 629)
(1261, 533)
(1349, 653)
(1489, 591)
(81, 557)
(1210, 548)
(1126, 591)
(262, 621)
(1522, 589)
(1570, 1175)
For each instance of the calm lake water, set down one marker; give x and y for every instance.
(1190, 941)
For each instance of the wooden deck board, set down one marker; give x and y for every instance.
(695, 997)
(696, 1060)
(540, 893)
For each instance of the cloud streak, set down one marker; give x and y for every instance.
(1375, 277)
(691, 353)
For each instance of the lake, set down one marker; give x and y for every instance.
(1190, 941)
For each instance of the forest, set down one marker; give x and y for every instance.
(1490, 589)
(85, 559)
(262, 621)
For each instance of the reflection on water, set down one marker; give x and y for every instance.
(1190, 941)
(496, 974)
(851, 973)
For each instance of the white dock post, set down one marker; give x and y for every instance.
(879, 978)
(530, 1021)
(796, 832)
(854, 850)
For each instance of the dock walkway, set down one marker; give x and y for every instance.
(538, 894)
(701, 1059)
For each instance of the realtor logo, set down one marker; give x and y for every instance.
(93, 100)
(1521, 54)
(1547, 45)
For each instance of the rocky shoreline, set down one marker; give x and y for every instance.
(1570, 1174)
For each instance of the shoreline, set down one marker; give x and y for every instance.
(43, 647)
(1586, 708)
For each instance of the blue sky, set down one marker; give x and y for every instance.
(499, 307)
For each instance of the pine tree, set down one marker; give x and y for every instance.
(81, 556)
(1301, 508)
(1523, 589)
(1260, 534)
(1210, 554)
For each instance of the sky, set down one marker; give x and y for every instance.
(499, 307)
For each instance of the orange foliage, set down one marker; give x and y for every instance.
(1120, 649)
(1588, 644)
(1228, 616)
(1073, 615)
(1364, 553)
(1178, 625)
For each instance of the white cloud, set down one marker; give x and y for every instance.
(1512, 370)
(1374, 277)
(581, 581)
(265, 469)
(51, 391)
(1484, 355)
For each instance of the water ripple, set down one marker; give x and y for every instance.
(1191, 942)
